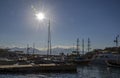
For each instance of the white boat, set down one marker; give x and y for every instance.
(115, 62)
(100, 59)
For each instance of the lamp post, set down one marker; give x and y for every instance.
(41, 16)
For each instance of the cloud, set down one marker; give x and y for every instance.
(62, 46)
(58, 46)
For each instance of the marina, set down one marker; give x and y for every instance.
(59, 39)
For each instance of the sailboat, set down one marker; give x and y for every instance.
(78, 58)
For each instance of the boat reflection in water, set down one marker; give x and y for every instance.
(82, 72)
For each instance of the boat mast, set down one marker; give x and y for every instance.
(49, 40)
(27, 49)
(89, 44)
(77, 46)
(73, 47)
(33, 48)
(83, 46)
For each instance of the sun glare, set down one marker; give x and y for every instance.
(40, 16)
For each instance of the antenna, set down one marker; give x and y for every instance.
(116, 40)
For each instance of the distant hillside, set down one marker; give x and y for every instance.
(25, 50)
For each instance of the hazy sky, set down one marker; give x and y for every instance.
(70, 19)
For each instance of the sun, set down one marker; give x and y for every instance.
(40, 16)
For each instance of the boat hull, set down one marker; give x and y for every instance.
(82, 62)
(112, 63)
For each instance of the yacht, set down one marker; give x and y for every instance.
(100, 59)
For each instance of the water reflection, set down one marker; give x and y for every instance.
(98, 72)
(82, 72)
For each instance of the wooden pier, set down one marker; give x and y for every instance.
(46, 68)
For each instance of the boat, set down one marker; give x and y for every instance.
(100, 59)
(114, 62)
(81, 61)
(78, 58)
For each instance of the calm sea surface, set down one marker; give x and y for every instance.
(82, 72)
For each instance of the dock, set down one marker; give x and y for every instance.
(44, 68)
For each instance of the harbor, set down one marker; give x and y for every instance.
(59, 39)
(58, 63)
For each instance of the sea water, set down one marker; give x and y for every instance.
(82, 72)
